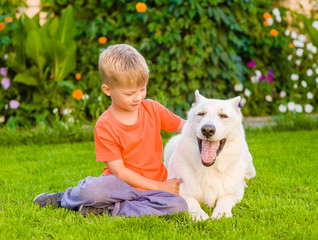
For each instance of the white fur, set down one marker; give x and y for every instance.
(221, 185)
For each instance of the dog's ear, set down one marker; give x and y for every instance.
(236, 103)
(198, 96)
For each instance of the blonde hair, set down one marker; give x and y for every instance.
(122, 64)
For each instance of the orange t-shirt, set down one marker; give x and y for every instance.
(139, 145)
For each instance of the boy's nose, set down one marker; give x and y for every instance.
(138, 97)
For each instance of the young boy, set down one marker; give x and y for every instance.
(128, 140)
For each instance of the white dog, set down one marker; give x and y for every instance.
(211, 156)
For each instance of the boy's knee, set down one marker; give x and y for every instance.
(181, 204)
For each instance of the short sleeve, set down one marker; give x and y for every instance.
(169, 121)
(106, 146)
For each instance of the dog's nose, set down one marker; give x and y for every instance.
(208, 130)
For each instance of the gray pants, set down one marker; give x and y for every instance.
(124, 200)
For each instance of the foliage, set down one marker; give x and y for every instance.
(280, 203)
(41, 59)
(291, 84)
(188, 45)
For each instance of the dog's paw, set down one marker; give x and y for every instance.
(218, 213)
(199, 216)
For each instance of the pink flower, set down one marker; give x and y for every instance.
(251, 64)
(3, 71)
(14, 104)
(5, 82)
(270, 79)
(262, 78)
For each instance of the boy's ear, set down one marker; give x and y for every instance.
(106, 90)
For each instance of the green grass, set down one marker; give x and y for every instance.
(280, 203)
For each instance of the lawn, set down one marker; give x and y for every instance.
(280, 203)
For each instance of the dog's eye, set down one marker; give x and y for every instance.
(201, 114)
(221, 115)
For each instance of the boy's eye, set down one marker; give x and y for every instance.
(201, 114)
(221, 115)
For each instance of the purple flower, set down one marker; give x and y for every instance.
(273, 92)
(5, 82)
(262, 78)
(3, 71)
(14, 104)
(270, 72)
(251, 64)
(270, 78)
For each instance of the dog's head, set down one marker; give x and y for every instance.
(213, 122)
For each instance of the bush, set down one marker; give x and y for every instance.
(188, 45)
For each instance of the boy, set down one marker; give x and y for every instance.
(127, 138)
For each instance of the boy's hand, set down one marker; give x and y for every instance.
(171, 185)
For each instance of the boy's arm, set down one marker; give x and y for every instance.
(132, 178)
(179, 129)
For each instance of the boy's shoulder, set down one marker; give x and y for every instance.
(149, 103)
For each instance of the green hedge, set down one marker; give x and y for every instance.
(188, 45)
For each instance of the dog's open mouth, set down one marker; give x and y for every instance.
(209, 150)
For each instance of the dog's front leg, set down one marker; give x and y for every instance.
(195, 209)
(224, 206)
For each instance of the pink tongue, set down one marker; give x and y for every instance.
(208, 151)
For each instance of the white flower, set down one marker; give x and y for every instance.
(310, 56)
(258, 73)
(308, 108)
(238, 87)
(314, 49)
(295, 86)
(299, 52)
(85, 97)
(276, 12)
(268, 98)
(293, 35)
(243, 101)
(294, 77)
(304, 83)
(290, 57)
(66, 111)
(315, 24)
(282, 94)
(310, 95)
(287, 32)
(282, 108)
(254, 79)
(298, 43)
(298, 108)
(291, 106)
(55, 110)
(298, 62)
(302, 37)
(5, 57)
(70, 120)
(309, 46)
(247, 92)
(270, 21)
(99, 98)
(2, 119)
(278, 19)
(309, 72)
(317, 80)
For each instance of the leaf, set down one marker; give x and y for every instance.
(67, 28)
(26, 79)
(67, 84)
(34, 49)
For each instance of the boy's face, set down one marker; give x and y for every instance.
(126, 99)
